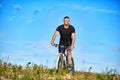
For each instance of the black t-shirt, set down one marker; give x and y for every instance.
(65, 34)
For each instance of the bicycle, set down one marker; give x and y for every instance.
(62, 62)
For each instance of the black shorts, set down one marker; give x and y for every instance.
(62, 49)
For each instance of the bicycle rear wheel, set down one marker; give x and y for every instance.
(72, 66)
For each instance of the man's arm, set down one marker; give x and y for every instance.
(54, 37)
(73, 40)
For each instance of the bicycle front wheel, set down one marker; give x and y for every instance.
(61, 63)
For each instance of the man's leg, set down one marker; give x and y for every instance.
(69, 55)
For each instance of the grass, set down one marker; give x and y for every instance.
(32, 71)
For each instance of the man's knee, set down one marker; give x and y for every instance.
(68, 52)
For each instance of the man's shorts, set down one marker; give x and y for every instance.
(62, 49)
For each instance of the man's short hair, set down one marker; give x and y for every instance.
(66, 17)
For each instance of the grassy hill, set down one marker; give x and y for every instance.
(40, 72)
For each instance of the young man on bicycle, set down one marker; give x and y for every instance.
(67, 38)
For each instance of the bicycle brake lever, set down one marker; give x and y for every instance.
(56, 45)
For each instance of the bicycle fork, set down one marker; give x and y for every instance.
(58, 57)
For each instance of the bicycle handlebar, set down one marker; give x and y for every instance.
(56, 45)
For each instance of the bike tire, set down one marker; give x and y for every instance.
(61, 63)
(73, 68)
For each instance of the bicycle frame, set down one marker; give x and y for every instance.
(64, 60)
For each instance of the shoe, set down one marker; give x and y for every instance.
(69, 67)
(57, 71)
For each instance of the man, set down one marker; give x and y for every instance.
(67, 37)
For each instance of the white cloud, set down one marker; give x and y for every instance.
(86, 56)
(36, 11)
(106, 11)
(43, 47)
(30, 20)
(8, 42)
(116, 48)
(50, 7)
(2, 35)
(1, 5)
(17, 7)
(10, 18)
(37, 50)
(88, 8)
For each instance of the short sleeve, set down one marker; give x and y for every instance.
(73, 30)
(58, 28)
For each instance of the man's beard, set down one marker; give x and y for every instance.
(66, 24)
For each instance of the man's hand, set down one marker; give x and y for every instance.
(52, 43)
(71, 47)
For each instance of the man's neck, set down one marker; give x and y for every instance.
(66, 26)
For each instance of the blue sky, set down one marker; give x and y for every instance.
(26, 28)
